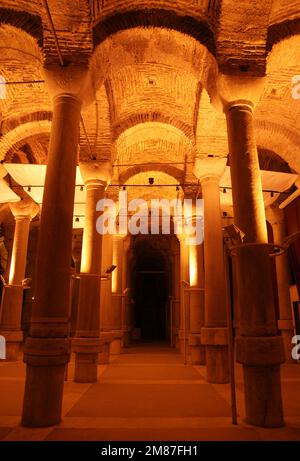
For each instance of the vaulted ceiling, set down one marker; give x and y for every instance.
(154, 66)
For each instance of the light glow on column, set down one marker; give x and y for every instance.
(12, 269)
(193, 265)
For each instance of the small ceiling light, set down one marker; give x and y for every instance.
(77, 219)
(81, 188)
(151, 181)
(224, 190)
(124, 187)
(177, 188)
(272, 194)
(29, 189)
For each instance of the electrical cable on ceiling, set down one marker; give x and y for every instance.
(61, 60)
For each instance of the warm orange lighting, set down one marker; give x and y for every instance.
(114, 278)
(193, 266)
(12, 269)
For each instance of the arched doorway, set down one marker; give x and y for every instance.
(150, 279)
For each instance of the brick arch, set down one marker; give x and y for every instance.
(28, 22)
(34, 148)
(21, 132)
(12, 123)
(281, 31)
(155, 17)
(141, 118)
(168, 169)
(280, 140)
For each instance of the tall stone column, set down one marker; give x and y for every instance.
(258, 347)
(86, 343)
(47, 347)
(106, 320)
(184, 298)
(175, 262)
(275, 217)
(12, 298)
(75, 282)
(196, 294)
(126, 315)
(214, 334)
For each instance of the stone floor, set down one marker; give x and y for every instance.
(146, 394)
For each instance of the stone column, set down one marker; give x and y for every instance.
(126, 326)
(12, 298)
(214, 334)
(86, 343)
(106, 321)
(275, 217)
(196, 294)
(175, 269)
(258, 346)
(75, 282)
(117, 294)
(47, 347)
(184, 298)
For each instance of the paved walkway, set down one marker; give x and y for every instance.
(146, 394)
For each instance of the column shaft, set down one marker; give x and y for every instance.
(117, 300)
(214, 334)
(125, 299)
(86, 343)
(285, 322)
(47, 347)
(196, 292)
(184, 298)
(259, 348)
(12, 298)
(106, 321)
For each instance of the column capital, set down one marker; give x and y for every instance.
(239, 91)
(96, 173)
(209, 168)
(74, 81)
(275, 215)
(25, 208)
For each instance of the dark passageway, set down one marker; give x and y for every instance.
(150, 280)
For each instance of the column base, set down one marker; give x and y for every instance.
(217, 365)
(196, 349)
(46, 361)
(216, 352)
(261, 358)
(126, 338)
(263, 396)
(86, 359)
(13, 342)
(183, 340)
(115, 346)
(103, 356)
